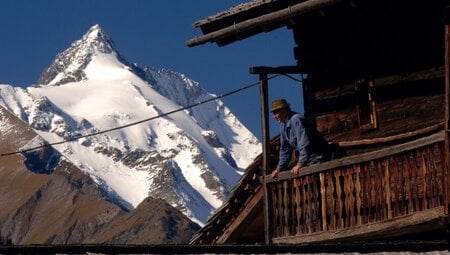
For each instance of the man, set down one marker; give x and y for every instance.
(294, 136)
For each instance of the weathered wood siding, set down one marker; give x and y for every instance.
(401, 107)
(400, 54)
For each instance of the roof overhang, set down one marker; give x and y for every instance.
(225, 29)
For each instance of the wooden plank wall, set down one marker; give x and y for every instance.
(400, 108)
(396, 45)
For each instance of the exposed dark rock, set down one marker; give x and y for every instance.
(42, 160)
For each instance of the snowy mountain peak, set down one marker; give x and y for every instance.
(69, 66)
(190, 158)
(97, 40)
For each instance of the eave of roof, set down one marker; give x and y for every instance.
(232, 11)
(227, 27)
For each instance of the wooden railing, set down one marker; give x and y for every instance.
(359, 190)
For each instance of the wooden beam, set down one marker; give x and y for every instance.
(274, 70)
(392, 138)
(447, 119)
(412, 223)
(263, 88)
(261, 21)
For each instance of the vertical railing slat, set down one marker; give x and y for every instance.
(387, 181)
(305, 204)
(323, 194)
(309, 198)
(280, 209)
(349, 201)
(340, 220)
(423, 169)
(416, 181)
(358, 193)
(332, 200)
(401, 177)
(408, 183)
(366, 192)
(298, 209)
(285, 208)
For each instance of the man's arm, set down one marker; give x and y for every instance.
(284, 156)
(302, 143)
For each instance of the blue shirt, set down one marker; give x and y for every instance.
(293, 136)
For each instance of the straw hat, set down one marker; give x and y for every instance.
(279, 104)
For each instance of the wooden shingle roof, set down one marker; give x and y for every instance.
(232, 11)
(243, 203)
(248, 19)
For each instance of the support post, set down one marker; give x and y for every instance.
(266, 168)
(447, 120)
(263, 93)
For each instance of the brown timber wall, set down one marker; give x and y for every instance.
(400, 108)
(397, 46)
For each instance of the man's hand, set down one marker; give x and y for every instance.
(295, 170)
(275, 173)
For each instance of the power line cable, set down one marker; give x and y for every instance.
(71, 139)
(293, 78)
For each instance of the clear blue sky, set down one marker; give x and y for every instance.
(149, 33)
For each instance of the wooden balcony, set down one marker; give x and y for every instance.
(389, 192)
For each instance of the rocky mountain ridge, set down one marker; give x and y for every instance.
(63, 205)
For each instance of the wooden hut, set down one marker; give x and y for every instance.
(376, 86)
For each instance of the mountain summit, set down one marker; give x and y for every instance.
(190, 158)
(69, 65)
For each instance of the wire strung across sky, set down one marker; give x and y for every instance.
(71, 139)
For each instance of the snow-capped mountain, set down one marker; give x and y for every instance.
(190, 158)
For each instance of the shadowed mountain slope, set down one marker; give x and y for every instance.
(63, 205)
